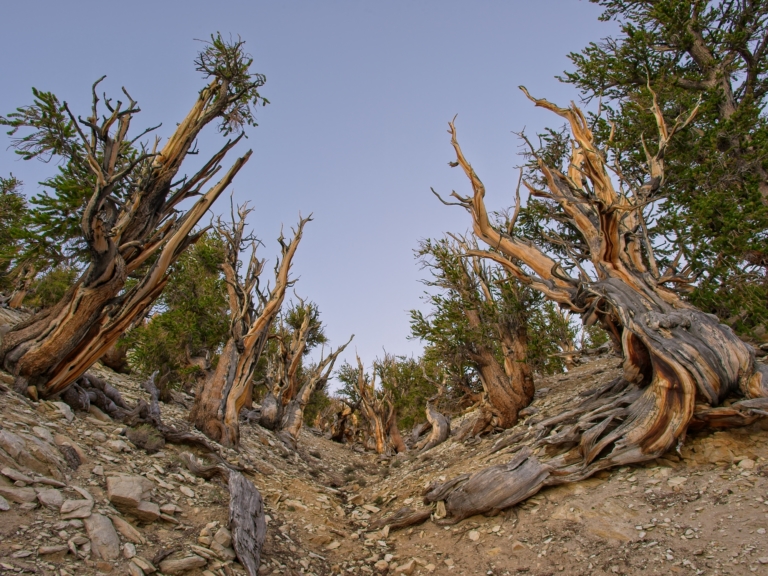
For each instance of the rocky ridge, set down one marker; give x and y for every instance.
(77, 496)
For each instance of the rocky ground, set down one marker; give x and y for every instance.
(77, 497)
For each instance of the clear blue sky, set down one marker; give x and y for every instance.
(361, 94)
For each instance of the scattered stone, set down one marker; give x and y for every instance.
(98, 470)
(19, 495)
(50, 498)
(333, 545)
(169, 509)
(129, 550)
(65, 410)
(76, 509)
(188, 492)
(128, 532)
(44, 550)
(177, 566)
(406, 568)
(145, 565)
(223, 537)
(357, 499)
(448, 562)
(319, 539)
(372, 509)
(15, 475)
(104, 541)
(127, 492)
(22, 554)
(747, 464)
(381, 565)
(517, 546)
(224, 552)
(147, 511)
(134, 570)
(43, 433)
(99, 436)
(4, 504)
(98, 414)
(474, 535)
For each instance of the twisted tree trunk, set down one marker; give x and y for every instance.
(679, 363)
(130, 217)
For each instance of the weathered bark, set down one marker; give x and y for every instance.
(55, 347)
(675, 356)
(318, 375)
(246, 521)
(224, 393)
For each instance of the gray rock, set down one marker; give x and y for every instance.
(144, 564)
(128, 491)
(127, 530)
(43, 434)
(19, 495)
(76, 509)
(43, 550)
(51, 498)
(4, 504)
(129, 550)
(223, 537)
(146, 511)
(134, 570)
(104, 541)
(15, 475)
(179, 565)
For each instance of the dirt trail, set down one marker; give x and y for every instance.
(702, 511)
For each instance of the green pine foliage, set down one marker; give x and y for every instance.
(13, 213)
(190, 319)
(714, 201)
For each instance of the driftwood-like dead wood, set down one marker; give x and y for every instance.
(680, 364)
(492, 489)
(246, 521)
(402, 518)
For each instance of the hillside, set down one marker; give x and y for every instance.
(704, 511)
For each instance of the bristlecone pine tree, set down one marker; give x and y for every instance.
(378, 407)
(481, 320)
(131, 218)
(290, 384)
(226, 390)
(679, 363)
